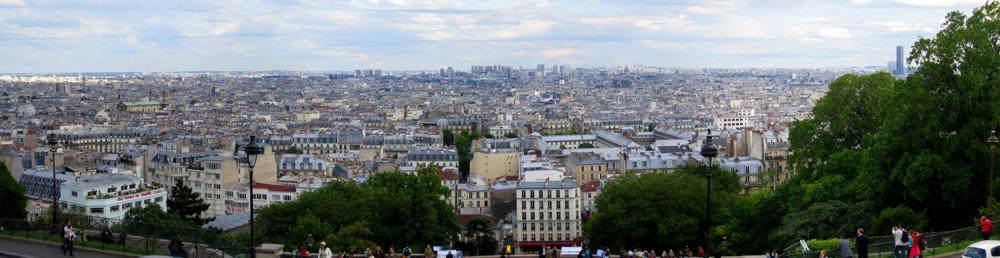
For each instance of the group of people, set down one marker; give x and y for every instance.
(325, 252)
(908, 244)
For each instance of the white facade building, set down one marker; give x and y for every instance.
(110, 196)
(548, 213)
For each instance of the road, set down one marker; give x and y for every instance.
(30, 248)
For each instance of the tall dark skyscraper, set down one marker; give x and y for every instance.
(899, 61)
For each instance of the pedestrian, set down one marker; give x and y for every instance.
(303, 251)
(324, 251)
(69, 234)
(177, 246)
(428, 252)
(392, 251)
(671, 254)
(862, 243)
(822, 254)
(407, 252)
(622, 252)
(844, 246)
(772, 254)
(987, 227)
(701, 252)
(686, 252)
(541, 253)
(631, 254)
(379, 253)
(449, 255)
(600, 253)
(899, 247)
(914, 245)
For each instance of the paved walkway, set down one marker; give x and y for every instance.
(20, 247)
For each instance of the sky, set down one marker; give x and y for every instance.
(49, 36)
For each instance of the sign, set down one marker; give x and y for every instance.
(146, 193)
(805, 247)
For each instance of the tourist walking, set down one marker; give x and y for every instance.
(862, 243)
(915, 250)
(987, 227)
(69, 234)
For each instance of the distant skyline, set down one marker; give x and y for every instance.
(51, 36)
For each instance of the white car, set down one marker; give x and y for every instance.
(983, 249)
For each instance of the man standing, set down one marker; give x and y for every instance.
(379, 253)
(429, 252)
(844, 247)
(177, 245)
(600, 253)
(541, 254)
(324, 252)
(897, 236)
(987, 227)
(862, 243)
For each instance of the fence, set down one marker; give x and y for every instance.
(881, 246)
(128, 236)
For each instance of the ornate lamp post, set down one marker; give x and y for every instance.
(992, 141)
(55, 195)
(709, 151)
(725, 245)
(252, 150)
(310, 241)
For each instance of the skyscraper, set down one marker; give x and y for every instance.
(899, 61)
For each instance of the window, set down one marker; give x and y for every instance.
(126, 206)
(96, 210)
(146, 201)
(541, 216)
(524, 237)
(550, 205)
(288, 197)
(218, 186)
(557, 194)
(532, 205)
(276, 197)
(524, 226)
(158, 199)
(112, 189)
(524, 215)
(229, 193)
(524, 205)
(74, 193)
(532, 193)
(550, 193)
(532, 216)
(532, 229)
(114, 208)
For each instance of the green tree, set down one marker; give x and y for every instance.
(448, 136)
(293, 150)
(585, 145)
(12, 195)
(351, 237)
(483, 242)
(139, 219)
(489, 136)
(632, 208)
(895, 216)
(510, 135)
(192, 102)
(651, 127)
(185, 203)
(562, 147)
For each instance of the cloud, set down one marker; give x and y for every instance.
(558, 52)
(833, 32)
(12, 3)
(939, 3)
(900, 26)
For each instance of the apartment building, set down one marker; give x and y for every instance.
(548, 213)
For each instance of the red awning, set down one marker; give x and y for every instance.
(545, 243)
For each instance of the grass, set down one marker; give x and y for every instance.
(88, 244)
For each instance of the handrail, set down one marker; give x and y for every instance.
(882, 245)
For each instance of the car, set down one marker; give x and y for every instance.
(983, 249)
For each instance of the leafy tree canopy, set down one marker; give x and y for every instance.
(12, 195)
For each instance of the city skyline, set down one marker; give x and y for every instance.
(101, 36)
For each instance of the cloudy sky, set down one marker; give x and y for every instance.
(186, 35)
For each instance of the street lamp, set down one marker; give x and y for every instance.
(252, 150)
(310, 241)
(992, 141)
(724, 244)
(55, 195)
(709, 151)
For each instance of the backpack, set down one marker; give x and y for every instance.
(905, 238)
(921, 243)
(406, 252)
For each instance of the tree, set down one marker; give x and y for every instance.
(153, 214)
(489, 136)
(562, 147)
(12, 195)
(448, 136)
(293, 150)
(632, 208)
(510, 135)
(585, 145)
(483, 242)
(651, 127)
(192, 102)
(185, 203)
(351, 237)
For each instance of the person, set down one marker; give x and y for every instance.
(899, 247)
(671, 254)
(862, 243)
(392, 251)
(914, 245)
(449, 255)
(844, 246)
(822, 254)
(324, 251)
(295, 252)
(303, 251)
(631, 254)
(587, 253)
(600, 253)
(772, 254)
(407, 252)
(686, 252)
(69, 234)
(428, 252)
(622, 252)
(652, 253)
(379, 253)
(701, 252)
(987, 227)
(177, 246)
(541, 253)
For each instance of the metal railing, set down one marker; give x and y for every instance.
(882, 246)
(128, 236)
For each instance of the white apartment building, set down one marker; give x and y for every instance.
(472, 199)
(110, 196)
(548, 213)
(236, 196)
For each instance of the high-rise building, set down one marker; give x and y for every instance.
(899, 61)
(64, 88)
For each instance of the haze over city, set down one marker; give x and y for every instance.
(161, 36)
